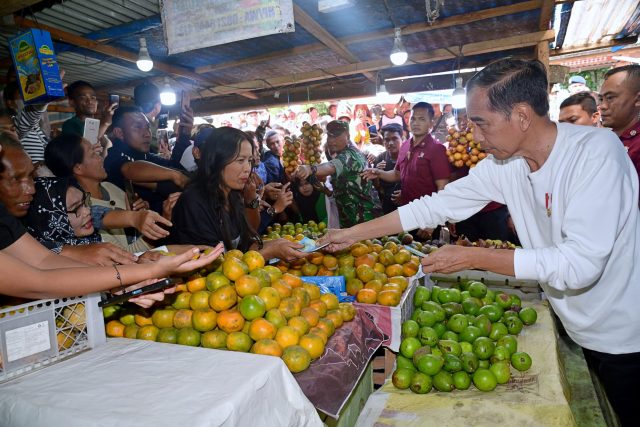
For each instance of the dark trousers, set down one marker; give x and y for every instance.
(620, 375)
(485, 225)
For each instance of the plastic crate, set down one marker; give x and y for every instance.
(43, 332)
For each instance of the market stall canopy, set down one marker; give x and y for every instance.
(331, 53)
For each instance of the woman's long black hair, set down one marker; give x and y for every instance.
(220, 149)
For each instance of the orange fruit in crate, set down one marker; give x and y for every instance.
(389, 298)
(367, 296)
(113, 328)
(204, 320)
(330, 262)
(295, 272)
(402, 256)
(182, 300)
(392, 246)
(393, 270)
(283, 266)
(392, 287)
(142, 320)
(327, 326)
(300, 324)
(290, 307)
(253, 259)
(267, 347)
(216, 280)
(324, 271)
(311, 315)
(247, 285)
(282, 287)
(358, 249)
(233, 253)
(148, 333)
(199, 300)
(336, 317)
(374, 284)
(251, 307)
(315, 258)
(330, 300)
(296, 358)
(168, 335)
(320, 333)
(214, 339)
(348, 311)
(366, 259)
(270, 296)
(263, 277)
(276, 317)
(189, 336)
(198, 284)
(301, 295)
(230, 321)
(223, 298)
(401, 280)
(163, 318)
(309, 269)
(365, 273)
(131, 331)
(319, 306)
(409, 269)
(274, 272)
(234, 268)
(291, 280)
(313, 344)
(379, 268)
(239, 341)
(353, 286)
(346, 260)
(312, 290)
(262, 329)
(182, 319)
(287, 336)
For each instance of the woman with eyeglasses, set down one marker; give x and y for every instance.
(212, 207)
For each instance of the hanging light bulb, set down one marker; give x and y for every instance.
(459, 95)
(144, 61)
(382, 91)
(398, 54)
(168, 95)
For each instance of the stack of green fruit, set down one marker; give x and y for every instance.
(461, 336)
(298, 230)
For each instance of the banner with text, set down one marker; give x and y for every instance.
(194, 24)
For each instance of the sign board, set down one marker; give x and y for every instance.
(194, 24)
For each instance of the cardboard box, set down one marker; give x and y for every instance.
(36, 67)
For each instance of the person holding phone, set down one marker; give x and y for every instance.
(212, 207)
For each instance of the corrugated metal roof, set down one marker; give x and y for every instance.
(595, 22)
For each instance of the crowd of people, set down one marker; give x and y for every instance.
(74, 208)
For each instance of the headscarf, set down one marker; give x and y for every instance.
(48, 220)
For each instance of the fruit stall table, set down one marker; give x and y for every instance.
(142, 383)
(535, 398)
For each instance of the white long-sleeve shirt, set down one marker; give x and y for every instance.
(577, 219)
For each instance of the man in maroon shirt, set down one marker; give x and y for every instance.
(422, 166)
(620, 107)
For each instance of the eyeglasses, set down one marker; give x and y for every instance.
(86, 202)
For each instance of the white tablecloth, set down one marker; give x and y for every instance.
(140, 383)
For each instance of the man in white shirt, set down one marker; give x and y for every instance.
(572, 193)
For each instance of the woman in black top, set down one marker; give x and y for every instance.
(212, 208)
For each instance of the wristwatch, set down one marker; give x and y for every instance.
(254, 204)
(271, 211)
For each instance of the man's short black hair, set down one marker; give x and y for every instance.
(121, 111)
(633, 75)
(512, 81)
(391, 127)
(9, 91)
(146, 95)
(426, 106)
(584, 99)
(74, 87)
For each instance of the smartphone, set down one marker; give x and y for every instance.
(163, 120)
(154, 287)
(373, 130)
(185, 100)
(130, 193)
(91, 130)
(114, 99)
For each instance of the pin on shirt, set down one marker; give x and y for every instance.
(548, 197)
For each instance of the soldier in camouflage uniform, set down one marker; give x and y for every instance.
(356, 198)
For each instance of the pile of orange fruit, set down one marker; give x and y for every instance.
(291, 154)
(240, 304)
(374, 273)
(463, 150)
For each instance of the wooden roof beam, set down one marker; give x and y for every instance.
(515, 42)
(381, 34)
(125, 55)
(312, 26)
(10, 6)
